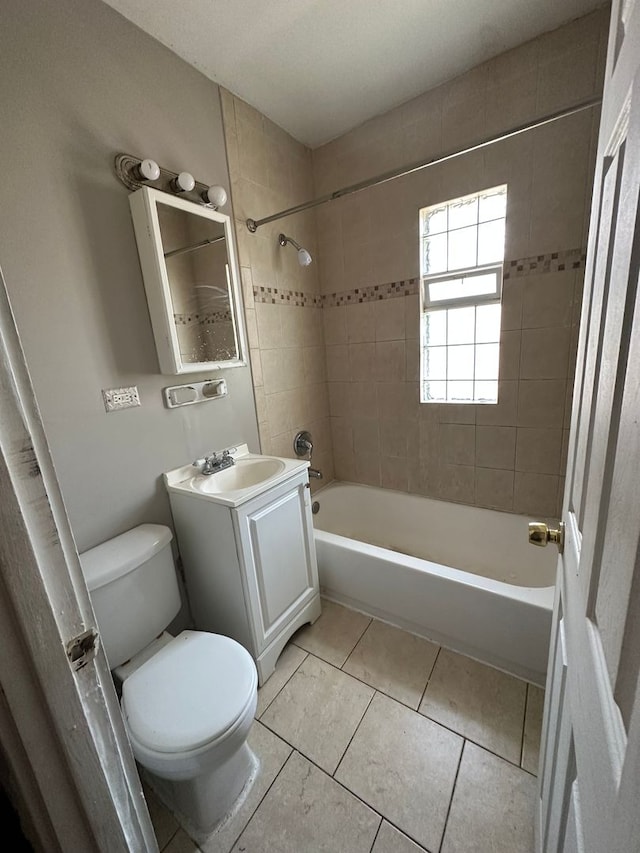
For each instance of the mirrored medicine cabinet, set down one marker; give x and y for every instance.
(191, 280)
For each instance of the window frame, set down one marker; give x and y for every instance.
(429, 306)
(461, 301)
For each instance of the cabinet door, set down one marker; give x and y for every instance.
(278, 552)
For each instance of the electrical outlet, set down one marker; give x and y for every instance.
(120, 398)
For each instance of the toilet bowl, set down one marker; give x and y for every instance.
(188, 702)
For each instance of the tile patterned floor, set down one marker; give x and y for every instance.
(372, 740)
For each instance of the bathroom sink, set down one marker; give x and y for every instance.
(244, 474)
(251, 475)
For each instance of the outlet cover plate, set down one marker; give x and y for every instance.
(120, 398)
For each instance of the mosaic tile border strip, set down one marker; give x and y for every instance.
(274, 296)
(201, 319)
(570, 259)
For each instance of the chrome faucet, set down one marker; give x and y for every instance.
(216, 461)
(314, 473)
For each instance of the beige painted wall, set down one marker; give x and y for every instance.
(510, 456)
(271, 171)
(79, 84)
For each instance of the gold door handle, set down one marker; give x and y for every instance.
(541, 534)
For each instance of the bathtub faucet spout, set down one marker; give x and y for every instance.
(313, 472)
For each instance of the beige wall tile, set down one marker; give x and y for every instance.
(339, 399)
(535, 494)
(337, 361)
(363, 399)
(541, 402)
(457, 444)
(269, 321)
(361, 326)
(367, 468)
(456, 483)
(510, 346)
(494, 488)
(393, 438)
(539, 450)
(390, 361)
(495, 446)
(335, 325)
(389, 315)
(362, 363)
(545, 353)
(394, 473)
(548, 300)
(512, 295)
(505, 411)
(366, 435)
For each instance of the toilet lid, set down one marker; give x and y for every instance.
(189, 693)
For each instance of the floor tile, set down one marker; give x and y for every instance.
(164, 823)
(288, 662)
(393, 661)
(333, 636)
(404, 766)
(318, 710)
(478, 701)
(532, 729)
(307, 811)
(272, 753)
(492, 808)
(390, 840)
(181, 843)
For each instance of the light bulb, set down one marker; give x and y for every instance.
(215, 196)
(183, 183)
(148, 170)
(304, 258)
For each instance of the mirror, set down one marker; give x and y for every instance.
(191, 281)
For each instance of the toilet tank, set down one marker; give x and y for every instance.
(133, 587)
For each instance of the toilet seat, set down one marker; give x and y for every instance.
(190, 693)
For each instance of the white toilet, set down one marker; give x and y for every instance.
(188, 702)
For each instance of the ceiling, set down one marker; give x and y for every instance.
(319, 68)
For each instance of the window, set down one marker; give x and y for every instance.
(462, 250)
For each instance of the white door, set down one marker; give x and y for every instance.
(590, 768)
(62, 734)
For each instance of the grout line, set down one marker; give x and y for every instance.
(375, 837)
(269, 787)
(424, 692)
(306, 655)
(421, 713)
(524, 723)
(357, 643)
(453, 790)
(354, 733)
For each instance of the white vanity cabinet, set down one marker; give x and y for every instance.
(250, 569)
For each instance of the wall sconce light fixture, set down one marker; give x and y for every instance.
(215, 197)
(135, 173)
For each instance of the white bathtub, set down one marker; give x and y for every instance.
(461, 576)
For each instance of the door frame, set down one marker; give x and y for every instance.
(65, 759)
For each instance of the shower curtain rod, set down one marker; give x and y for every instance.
(254, 224)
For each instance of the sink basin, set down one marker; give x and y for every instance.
(244, 474)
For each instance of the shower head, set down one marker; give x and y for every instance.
(304, 258)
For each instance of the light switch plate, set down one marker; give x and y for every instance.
(120, 398)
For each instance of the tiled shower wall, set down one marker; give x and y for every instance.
(270, 171)
(510, 456)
